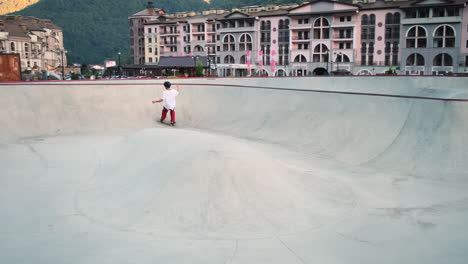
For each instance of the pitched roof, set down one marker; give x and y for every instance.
(149, 12)
(181, 61)
(21, 26)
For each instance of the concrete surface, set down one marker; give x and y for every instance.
(253, 173)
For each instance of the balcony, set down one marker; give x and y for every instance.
(171, 43)
(235, 29)
(167, 33)
(295, 26)
(431, 20)
(300, 39)
(198, 32)
(343, 37)
(343, 24)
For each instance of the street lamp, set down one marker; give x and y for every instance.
(119, 65)
(328, 59)
(63, 66)
(207, 48)
(61, 53)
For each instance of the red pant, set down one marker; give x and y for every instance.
(164, 113)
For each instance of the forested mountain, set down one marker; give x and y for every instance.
(96, 30)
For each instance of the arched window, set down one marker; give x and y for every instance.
(396, 18)
(268, 25)
(321, 22)
(280, 24)
(262, 25)
(444, 37)
(300, 58)
(372, 19)
(286, 24)
(198, 48)
(321, 28)
(389, 18)
(243, 59)
(342, 58)
(368, 27)
(229, 59)
(245, 42)
(416, 37)
(364, 20)
(280, 72)
(12, 46)
(320, 53)
(415, 59)
(229, 43)
(443, 60)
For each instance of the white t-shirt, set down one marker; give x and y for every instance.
(169, 98)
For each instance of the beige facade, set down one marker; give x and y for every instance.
(137, 33)
(152, 52)
(38, 42)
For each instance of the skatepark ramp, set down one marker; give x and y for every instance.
(417, 124)
(336, 170)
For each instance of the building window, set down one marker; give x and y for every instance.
(150, 59)
(444, 37)
(229, 43)
(300, 58)
(245, 42)
(368, 27)
(283, 28)
(416, 37)
(283, 55)
(229, 59)
(321, 28)
(342, 58)
(321, 53)
(149, 30)
(150, 40)
(443, 60)
(12, 46)
(415, 59)
(392, 26)
(243, 59)
(150, 50)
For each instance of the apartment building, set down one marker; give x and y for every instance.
(136, 33)
(318, 37)
(38, 42)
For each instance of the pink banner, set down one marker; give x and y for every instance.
(182, 54)
(248, 61)
(273, 62)
(173, 54)
(190, 54)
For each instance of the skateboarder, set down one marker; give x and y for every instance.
(169, 99)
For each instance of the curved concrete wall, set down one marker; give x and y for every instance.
(356, 125)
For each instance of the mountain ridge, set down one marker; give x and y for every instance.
(95, 30)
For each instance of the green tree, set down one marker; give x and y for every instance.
(85, 71)
(199, 69)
